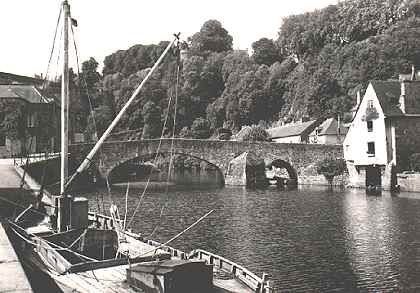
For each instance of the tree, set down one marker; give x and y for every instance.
(330, 168)
(151, 117)
(200, 128)
(211, 37)
(89, 73)
(415, 162)
(99, 121)
(256, 133)
(265, 52)
(12, 122)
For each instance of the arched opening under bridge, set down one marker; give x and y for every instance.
(186, 170)
(282, 173)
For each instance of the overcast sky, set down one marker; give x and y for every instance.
(27, 26)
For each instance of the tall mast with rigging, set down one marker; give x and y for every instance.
(65, 100)
(61, 200)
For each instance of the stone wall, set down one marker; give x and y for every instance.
(409, 182)
(302, 157)
(407, 141)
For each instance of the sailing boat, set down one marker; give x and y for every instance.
(86, 252)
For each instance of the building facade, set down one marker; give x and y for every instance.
(328, 132)
(28, 121)
(384, 132)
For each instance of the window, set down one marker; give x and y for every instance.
(2, 140)
(369, 125)
(371, 149)
(370, 103)
(31, 120)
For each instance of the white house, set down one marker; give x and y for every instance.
(384, 132)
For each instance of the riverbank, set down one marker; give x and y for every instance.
(12, 200)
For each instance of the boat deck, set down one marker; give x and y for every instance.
(113, 280)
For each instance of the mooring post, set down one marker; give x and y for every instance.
(263, 283)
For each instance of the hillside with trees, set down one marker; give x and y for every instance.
(314, 68)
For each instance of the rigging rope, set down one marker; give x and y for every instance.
(154, 162)
(92, 113)
(171, 154)
(177, 235)
(52, 48)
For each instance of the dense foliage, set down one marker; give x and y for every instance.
(256, 133)
(330, 168)
(315, 67)
(415, 162)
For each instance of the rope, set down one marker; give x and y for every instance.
(21, 206)
(58, 55)
(171, 155)
(52, 48)
(92, 113)
(177, 235)
(48, 242)
(154, 162)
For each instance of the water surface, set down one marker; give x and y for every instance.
(308, 240)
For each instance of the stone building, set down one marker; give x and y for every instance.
(384, 132)
(328, 132)
(30, 107)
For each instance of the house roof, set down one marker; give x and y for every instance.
(8, 78)
(26, 92)
(388, 94)
(329, 127)
(291, 129)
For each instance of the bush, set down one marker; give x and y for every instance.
(256, 133)
(200, 128)
(415, 162)
(330, 168)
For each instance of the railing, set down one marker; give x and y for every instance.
(23, 160)
(102, 221)
(173, 251)
(257, 284)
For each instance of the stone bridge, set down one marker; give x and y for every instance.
(298, 159)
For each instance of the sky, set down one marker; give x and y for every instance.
(105, 26)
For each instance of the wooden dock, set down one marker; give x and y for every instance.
(13, 277)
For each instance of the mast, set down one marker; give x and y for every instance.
(61, 202)
(65, 100)
(85, 164)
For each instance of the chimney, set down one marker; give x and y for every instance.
(402, 97)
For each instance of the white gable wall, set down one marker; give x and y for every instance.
(356, 142)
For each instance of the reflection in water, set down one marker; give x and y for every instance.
(309, 240)
(370, 231)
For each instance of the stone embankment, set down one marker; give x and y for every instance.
(13, 277)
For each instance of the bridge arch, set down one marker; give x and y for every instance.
(282, 164)
(151, 155)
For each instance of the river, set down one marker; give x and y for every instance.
(309, 240)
